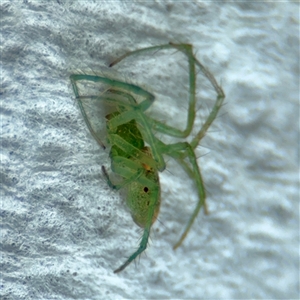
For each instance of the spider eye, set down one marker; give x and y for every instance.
(146, 189)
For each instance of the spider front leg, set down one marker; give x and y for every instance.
(116, 88)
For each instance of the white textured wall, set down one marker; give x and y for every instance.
(63, 230)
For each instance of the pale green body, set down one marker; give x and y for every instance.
(129, 127)
(142, 181)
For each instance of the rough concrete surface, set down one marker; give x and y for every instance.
(63, 231)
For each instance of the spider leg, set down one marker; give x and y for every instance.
(179, 151)
(130, 170)
(192, 60)
(218, 104)
(187, 50)
(125, 182)
(142, 248)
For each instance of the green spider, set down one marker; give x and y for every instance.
(137, 155)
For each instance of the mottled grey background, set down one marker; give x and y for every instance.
(64, 231)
